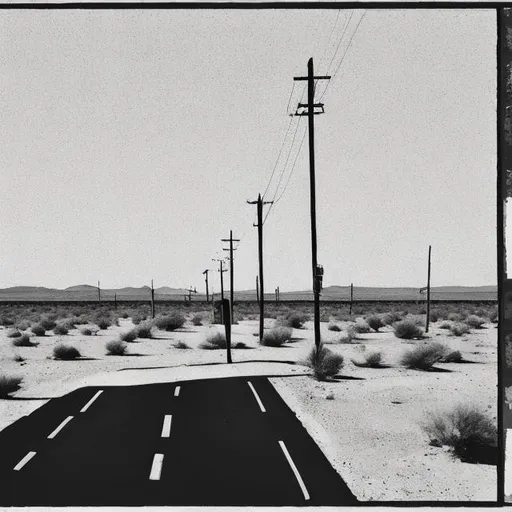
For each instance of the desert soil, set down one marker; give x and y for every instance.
(368, 423)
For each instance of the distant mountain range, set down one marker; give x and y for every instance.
(86, 292)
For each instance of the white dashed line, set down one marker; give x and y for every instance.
(166, 429)
(256, 396)
(177, 391)
(295, 470)
(23, 461)
(89, 403)
(60, 427)
(156, 468)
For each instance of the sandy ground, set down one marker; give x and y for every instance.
(367, 423)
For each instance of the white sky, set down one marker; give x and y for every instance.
(132, 139)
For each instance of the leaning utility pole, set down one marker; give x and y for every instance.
(99, 293)
(259, 202)
(428, 289)
(310, 112)
(206, 280)
(231, 269)
(152, 300)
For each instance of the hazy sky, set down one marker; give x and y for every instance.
(131, 141)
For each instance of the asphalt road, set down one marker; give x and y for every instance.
(205, 442)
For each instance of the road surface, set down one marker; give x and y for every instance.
(213, 442)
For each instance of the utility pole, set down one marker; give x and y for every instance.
(99, 293)
(206, 280)
(152, 300)
(221, 270)
(278, 294)
(257, 291)
(428, 289)
(190, 291)
(231, 269)
(310, 112)
(351, 297)
(115, 300)
(259, 205)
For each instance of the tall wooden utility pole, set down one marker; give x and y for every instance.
(221, 270)
(206, 281)
(351, 297)
(259, 206)
(428, 289)
(257, 291)
(310, 112)
(231, 268)
(190, 291)
(115, 300)
(152, 300)
(99, 293)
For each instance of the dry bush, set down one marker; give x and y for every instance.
(371, 360)
(103, 323)
(128, 336)
(23, 341)
(459, 329)
(391, 318)
(468, 431)
(324, 363)
(13, 333)
(9, 384)
(60, 329)
(137, 318)
(6, 321)
(145, 330)
(277, 336)
(47, 323)
(170, 322)
(408, 330)
(89, 330)
(455, 317)
(453, 357)
(18, 358)
(360, 327)
(348, 337)
(181, 345)
(423, 357)
(475, 322)
(294, 320)
(445, 325)
(197, 320)
(214, 340)
(65, 352)
(334, 327)
(23, 325)
(38, 330)
(116, 348)
(375, 322)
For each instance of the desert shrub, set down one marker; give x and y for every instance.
(9, 384)
(493, 317)
(360, 327)
(239, 344)
(197, 320)
(70, 323)
(38, 330)
(60, 329)
(459, 329)
(65, 352)
(6, 321)
(137, 318)
(47, 323)
(115, 348)
(144, 330)
(214, 340)
(391, 318)
(170, 322)
(467, 430)
(452, 357)
(371, 360)
(407, 330)
(277, 336)
(128, 336)
(375, 322)
(103, 323)
(23, 341)
(349, 336)
(294, 320)
(181, 345)
(334, 327)
(13, 333)
(475, 322)
(124, 314)
(434, 315)
(23, 325)
(455, 317)
(324, 362)
(423, 357)
(445, 325)
(89, 330)
(18, 358)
